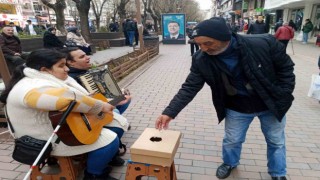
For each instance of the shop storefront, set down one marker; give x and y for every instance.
(297, 17)
(8, 13)
(316, 20)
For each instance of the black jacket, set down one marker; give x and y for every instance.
(51, 41)
(75, 73)
(10, 44)
(258, 28)
(267, 67)
(278, 24)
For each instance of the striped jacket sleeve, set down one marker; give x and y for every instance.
(51, 99)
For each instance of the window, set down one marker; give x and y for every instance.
(26, 6)
(37, 6)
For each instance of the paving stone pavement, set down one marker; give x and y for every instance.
(199, 153)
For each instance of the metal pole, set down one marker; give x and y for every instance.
(292, 47)
(140, 25)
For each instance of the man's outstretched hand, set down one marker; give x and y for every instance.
(162, 122)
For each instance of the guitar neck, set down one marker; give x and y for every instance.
(115, 101)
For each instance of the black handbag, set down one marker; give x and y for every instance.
(70, 43)
(27, 149)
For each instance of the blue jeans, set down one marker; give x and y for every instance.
(123, 107)
(98, 160)
(305, 37)
(117, 130)
(131, 36)
(236, 126)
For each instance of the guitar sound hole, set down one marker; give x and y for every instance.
(155, 139)
(137, 168)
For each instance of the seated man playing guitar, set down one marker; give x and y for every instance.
(79, 64)
(42, 85)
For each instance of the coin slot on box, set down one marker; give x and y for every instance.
(155, 139)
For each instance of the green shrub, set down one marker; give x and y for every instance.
(103, 29)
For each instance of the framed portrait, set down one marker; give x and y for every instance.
(173, 29)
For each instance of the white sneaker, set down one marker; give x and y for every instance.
(304, 43)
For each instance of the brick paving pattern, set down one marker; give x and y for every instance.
(199, 153)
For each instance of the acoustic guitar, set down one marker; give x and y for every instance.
(80, 128)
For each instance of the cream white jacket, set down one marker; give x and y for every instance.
(29, 113)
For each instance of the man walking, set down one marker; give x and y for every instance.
(250, 76)
(30, 28)
(307, 27)
(278, 24)
(284, 34)
(259, 27)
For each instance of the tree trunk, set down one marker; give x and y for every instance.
(145, 4)
(60, 21)
(83, 7)
(153, 13)
(122, 11)
(156, 29)
(58, 8)
(98, 22)
(98, 11)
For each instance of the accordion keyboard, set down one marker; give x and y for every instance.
(89, 84)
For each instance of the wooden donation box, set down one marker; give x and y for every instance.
(152, 154)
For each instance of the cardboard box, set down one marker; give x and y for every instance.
(156, 147)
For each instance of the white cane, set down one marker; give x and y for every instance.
(292, 47)
(63, 118)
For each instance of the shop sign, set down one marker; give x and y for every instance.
(244, 5)
(9, 1)
(7, 9)
(259, 9)
(238, 12)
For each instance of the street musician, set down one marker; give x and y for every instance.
(79, 65)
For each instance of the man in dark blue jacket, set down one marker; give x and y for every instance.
(249, 76)
(259, 27)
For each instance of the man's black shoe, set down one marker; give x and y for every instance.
(117, 161)
(279, 178)
(224, 171)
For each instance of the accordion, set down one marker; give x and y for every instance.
(100, 80)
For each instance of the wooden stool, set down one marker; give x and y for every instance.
(136, 170)
(68, 169)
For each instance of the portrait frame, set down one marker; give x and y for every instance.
(177, 24)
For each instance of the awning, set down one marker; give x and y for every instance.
(43, 18)
(9, 1)
(69, 19)
(10, 17)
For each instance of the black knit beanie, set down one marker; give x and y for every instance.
(215, 28)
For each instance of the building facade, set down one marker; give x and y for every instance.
(19, 11)
(298, 11)
(10, 11)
